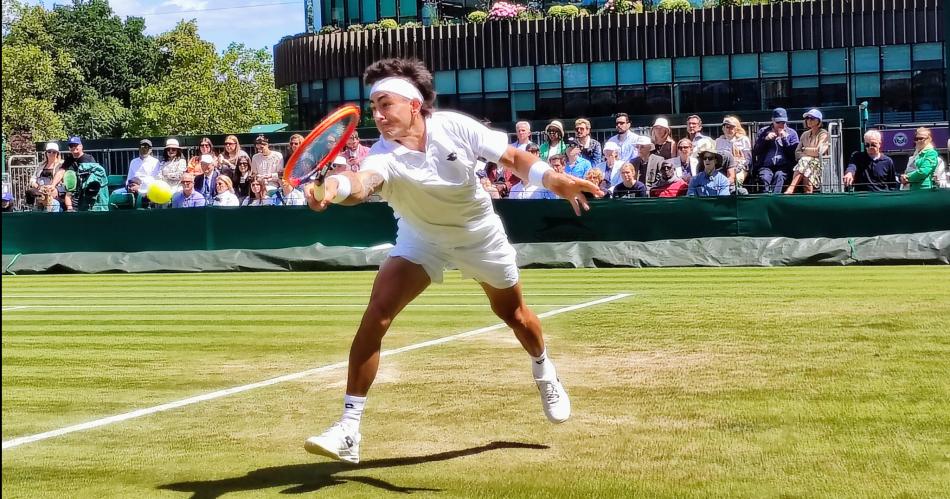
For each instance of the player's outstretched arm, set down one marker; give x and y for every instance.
(362, 185)
(565, 186)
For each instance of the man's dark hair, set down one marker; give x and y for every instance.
(622, 115)
(411, 69)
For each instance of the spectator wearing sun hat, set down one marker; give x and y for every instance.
(145, 166)
(646, 162)
(173, 164)
(812, 147)
(662, 137)
(774, 152)
(555, 140)
(611, 163)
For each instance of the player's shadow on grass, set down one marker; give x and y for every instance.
(315, 476)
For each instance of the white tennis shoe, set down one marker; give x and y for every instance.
(554, 400)
(339, 443)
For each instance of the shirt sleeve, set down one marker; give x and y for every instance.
(487, 143)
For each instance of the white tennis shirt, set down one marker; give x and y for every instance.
(436, 193)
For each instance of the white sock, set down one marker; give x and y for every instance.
(352, 411)
(542, 367)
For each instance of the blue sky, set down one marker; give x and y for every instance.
(255, 23)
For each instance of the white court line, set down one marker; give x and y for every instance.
(15, 442)
(21, 307)
(151, 306)
(266, 295)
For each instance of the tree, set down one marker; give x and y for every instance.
(202, 92)
(29, 83)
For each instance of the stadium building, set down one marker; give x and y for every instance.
(891, 54)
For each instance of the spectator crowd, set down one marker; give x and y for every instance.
(773, 159)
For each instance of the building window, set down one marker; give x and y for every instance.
(631, 97)
(688, 97)
(408, 8)
(896, 93)
(804, 92)
(496, 80)
(333, 89)
(716, 67)
(550, 102)
(369, 11)
(659, 99)
(575, 76)
(686, 69)
(522, 105)
(603, 102)
(774, 64)
(896, 57)
(549, 76)
(928, 56)
(470, 81)
(717, 97)
(804, 62)
(522, 78)
(630, 72)
(834, 91)
(745, 66)
(445, 82)
(659, 71)
(576, 103)
(352, 11)
(472, 105)
(603, 74)
(351, 89)
(775, 93)
(746, 94)
(930, 95)
(866, 59)
(387, 8)
(497, 107)
(834, 61)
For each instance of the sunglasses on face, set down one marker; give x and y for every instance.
(667, 167)
(230, 143)
(187, 182)
(205, 145)
(708, 158)
(621, 123)
(871, 144)
(684, 148)
(727, 125)
(918, 139)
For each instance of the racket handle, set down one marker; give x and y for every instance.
(317, 192)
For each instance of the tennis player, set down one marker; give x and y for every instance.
(424, 166)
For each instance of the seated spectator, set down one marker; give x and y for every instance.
(523, 135)
(47, 200)
(629, 186)
(871, 170)
(624, 138)
(204, 147)
(266, 163)
(74, 161)
(258, 194)
(227, 160)
(489, 187)
(242, 178)
(922, 164)
(555, 140)
(685, 161)
(590, 148)
(735, 141)
(206, 180)
(130, 196)
(669, 185)
(596, 177)
(293, 143)
(338, 166)
(694, 129)
(7, 206)
(774, 152)
(533, 149)
(813, 145)
(662, 138)
(611, 163)
(287, 195)
(188, 197)
(576, 165)
(146, 166)
(173, 165)
(519, 190)
(44, 173)
(647, 163)
(501, 177)
(225, 192)
(710, 181)
(354, 152)
(557, 163)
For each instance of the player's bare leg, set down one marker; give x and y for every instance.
(509, 305)
(398, 282)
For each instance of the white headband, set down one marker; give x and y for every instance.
(398, 86)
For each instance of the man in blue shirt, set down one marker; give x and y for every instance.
(774, 152)
(709, 180)
(576, 165)
(188, 197)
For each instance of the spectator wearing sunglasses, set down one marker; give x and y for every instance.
(669, 185)
(205, 147)
(735, 140)
(686, 163)
(173, 164)
(232, 153)
(188, 197)
(710, 180)
(922, 164)
(590, 148)
(871, 170)
(625, 139)
(266, 163)
(555, 140)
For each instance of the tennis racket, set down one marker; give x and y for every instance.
(314, 158)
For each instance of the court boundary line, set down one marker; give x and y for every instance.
(16, 442)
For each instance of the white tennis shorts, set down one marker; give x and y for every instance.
(492, 261)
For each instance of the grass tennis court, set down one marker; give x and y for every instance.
(829, 381)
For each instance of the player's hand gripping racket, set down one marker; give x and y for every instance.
(313, 160)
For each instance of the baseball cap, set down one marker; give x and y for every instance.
(339, 160)
(52, 146)
(779, 115)
(145, 142)
(207, 158)
(813, 113)
(75, 140)
(134, 180)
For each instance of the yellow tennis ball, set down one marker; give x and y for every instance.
(159, 192)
